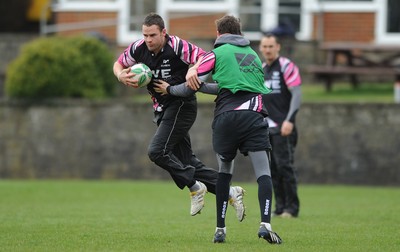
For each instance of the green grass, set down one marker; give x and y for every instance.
(344, 92)
(316, 93)
(341, 92)
(154, 216)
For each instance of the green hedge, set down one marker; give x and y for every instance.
(62, 67)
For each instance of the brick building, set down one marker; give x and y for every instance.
(376, 21)
(119, 21)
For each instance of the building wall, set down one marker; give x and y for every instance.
(374, 13)
(336, 26)
(200, 27)
(110, 32)
(355, 27)
(195, 27)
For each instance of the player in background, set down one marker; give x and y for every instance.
(238, 116)
(282, 76)
(169, 58)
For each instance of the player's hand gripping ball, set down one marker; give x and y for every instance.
(142, 73)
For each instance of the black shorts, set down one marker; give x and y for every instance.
(242, 130)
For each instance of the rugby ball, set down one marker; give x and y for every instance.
(142, 73)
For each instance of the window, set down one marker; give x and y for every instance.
(393, 17)
(138, 10)
(250, 15)
(289, 14)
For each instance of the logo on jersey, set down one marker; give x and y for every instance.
(247, 62)
(165, 70)
(162, 73)
(274, 83)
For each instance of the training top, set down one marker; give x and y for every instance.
(170, 64)
(237, 70)
(281, 76)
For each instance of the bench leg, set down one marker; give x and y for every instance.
(327, 79)
(328, 83)
(350, 63)
(354, 81)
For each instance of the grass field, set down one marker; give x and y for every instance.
(154, 216)
(344, 92)
(316, 93)
(341, 92)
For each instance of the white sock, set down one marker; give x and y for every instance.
(195, 187)
(267, 225)
(224, 228)
(230, 192)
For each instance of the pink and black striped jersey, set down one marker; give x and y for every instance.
(170, 64)
(281, 75)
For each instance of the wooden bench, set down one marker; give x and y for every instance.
(329, 73)
(357, 61)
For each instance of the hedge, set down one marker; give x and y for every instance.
(62, 67)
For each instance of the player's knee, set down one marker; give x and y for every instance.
(153, 154)
(226, 157)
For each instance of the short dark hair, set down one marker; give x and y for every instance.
(154, 19)
(271, 35)
(229, 24)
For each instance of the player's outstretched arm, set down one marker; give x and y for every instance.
(192, 79)
(182, 90)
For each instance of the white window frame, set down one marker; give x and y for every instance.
(381, 34)
(124, 35)
(270, 17)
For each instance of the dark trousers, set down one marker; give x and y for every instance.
(284, 178)
(171, 149)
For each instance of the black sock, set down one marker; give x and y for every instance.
(265, 197)
(222, 197)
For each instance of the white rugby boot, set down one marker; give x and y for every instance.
(236, 200)
(197, 199)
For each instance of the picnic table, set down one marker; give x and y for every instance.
(357, 59)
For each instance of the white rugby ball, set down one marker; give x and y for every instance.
(142, 73)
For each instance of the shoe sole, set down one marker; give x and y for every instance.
(219, 241)
(194, 214)
(264, 235)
